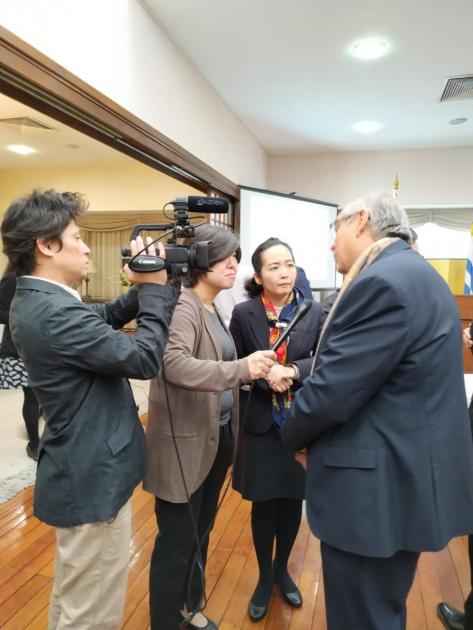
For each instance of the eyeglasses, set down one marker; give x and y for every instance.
(336, 224)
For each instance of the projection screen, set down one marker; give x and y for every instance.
(301, 222)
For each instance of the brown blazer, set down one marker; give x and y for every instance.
(195, 375)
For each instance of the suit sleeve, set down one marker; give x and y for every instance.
(83, 338)
(305, 365)
(181, 368)
(366, 340)
(118, 312)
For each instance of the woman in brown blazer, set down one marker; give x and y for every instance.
(199, 382)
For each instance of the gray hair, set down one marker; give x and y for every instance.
(387, 218)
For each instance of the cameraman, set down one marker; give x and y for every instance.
(92, 453)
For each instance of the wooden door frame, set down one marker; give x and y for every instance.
(37, 81)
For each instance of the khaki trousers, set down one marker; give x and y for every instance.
(91, 574)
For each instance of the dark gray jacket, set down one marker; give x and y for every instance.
(92, 453)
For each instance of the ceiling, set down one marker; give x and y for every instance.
(59, 146)
(285, 71)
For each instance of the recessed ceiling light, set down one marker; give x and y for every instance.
(369, 49)
(367, 126)
(458, 121)
(72, 146)
(21, 149)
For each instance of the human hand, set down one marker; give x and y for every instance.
(153, 277)
(280, 377)
(260, 362)
(467, 342)
(301, 458)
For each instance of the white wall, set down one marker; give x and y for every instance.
(116, 46)
(437, 176)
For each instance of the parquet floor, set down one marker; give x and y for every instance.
(27, 569)
(26, 572)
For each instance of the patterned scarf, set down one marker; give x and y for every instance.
(280, 402)
(364, 260)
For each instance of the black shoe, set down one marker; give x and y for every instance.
(289, 590)
(293, 598)
(450, 617)
(210, 625)
(259, 602)
(257, 612)
(32, 452)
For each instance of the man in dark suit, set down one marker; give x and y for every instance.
(92, 452)
(385, 422)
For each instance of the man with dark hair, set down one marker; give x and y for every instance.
(390, 460)
(92, 452)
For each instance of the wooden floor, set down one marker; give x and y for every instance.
(26, 572)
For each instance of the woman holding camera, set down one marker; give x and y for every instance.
(191, 434)
(265, 471)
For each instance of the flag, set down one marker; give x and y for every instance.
(468, 287)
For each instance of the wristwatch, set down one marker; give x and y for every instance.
(296, 371)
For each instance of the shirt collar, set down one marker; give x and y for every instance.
(58, 284)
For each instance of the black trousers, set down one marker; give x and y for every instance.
(364, 593)
(175, 578)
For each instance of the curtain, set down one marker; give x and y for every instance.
(104, 275)
(452, 218)
(105, 233)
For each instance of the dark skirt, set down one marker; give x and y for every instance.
(265, 468)
(12, 373)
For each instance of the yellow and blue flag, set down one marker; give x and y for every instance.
(468, 287)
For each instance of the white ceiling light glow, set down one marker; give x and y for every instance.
(367, 126)
(368, 49)
(21, 149)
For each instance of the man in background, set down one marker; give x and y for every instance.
(92, 453)
(451, 617)
(384, 419)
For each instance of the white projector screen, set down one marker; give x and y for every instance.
(302, 223)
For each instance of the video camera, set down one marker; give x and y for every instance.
(179, 258)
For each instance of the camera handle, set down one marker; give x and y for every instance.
(146, 264)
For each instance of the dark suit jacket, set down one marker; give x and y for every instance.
(92, 452)
(250, 331)
(384, 415)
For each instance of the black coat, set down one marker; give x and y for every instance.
(265, 468)
(250, 331)
(7, 293)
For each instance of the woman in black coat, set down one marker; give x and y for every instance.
(12, 371)
(265, 471)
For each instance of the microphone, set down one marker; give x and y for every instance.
(301, 311)
(193, 203)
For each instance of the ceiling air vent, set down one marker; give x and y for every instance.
(26, 121)
(458, 88)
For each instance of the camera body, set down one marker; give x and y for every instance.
(179, 258)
